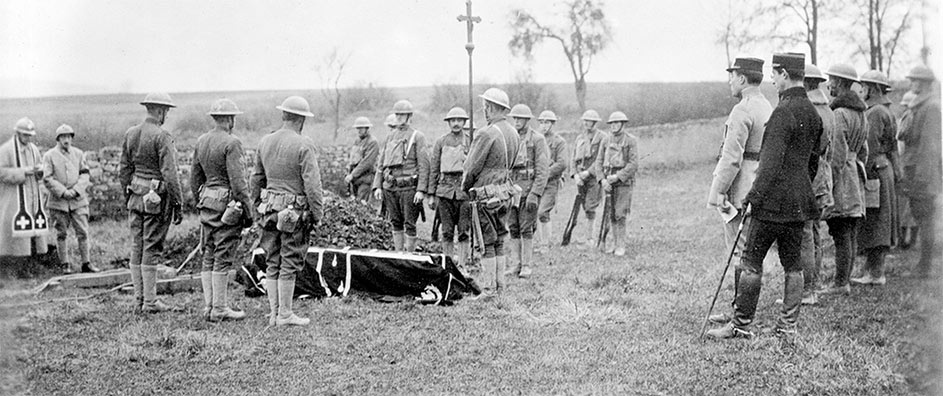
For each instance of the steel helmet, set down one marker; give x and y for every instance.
(64, 130)
(158, 98)
(496, 96)
(456, 112)
(618, 116)
(812, 72)
(224, 107)
(390, 120)
(843, 70)
(362, 122)
(296, 105)
(921, 72)
(25, 126)
(591, 115)
(403, 107)
(521, 110)
(547, 115)
(875, 77)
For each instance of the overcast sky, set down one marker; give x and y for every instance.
(50, 47)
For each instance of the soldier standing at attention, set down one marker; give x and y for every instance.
(66, 176)
(220, 185)
(781, 200)
(445, 184)
(363, 160)
(286, 185)
(559, 159)
(529, 172)
(739, 154)
(584, 157)
(616, 165)
(879, 229)
(402, 177)
(148, 175)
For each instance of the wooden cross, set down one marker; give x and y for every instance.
(470, 21)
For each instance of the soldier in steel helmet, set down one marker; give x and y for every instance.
(445, 185)
(529, 172)
(22, 234)
(584, 157)
(220, 186)
(922, 179)
(559, 160)
(849, 153)
(361, 164)
(286, 186)
(616, 165)
(485, 178)
(66, 177)
(148, 175)
(402, 176)
(878, 231)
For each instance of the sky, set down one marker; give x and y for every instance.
(57, 47)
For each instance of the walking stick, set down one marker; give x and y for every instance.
(746, 212)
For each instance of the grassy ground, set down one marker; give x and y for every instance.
(584, 324)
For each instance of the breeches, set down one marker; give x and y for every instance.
(219, 247)
(760, 237)
(148, 233)
(521, 221)
(284, 251)
(401, 211)
(454, 213)
(548, 201)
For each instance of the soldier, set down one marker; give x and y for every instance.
(584, 157)
(402, 177)
(22, 232)
(485, 178)
(148, 175)
(559, 160)
(220, 187)
(849, 153)
(445, 184)
(780, 201)
(922, 181)
(739, 154)
(362, 162)
(879, 229)
(616, 165)
(66, 176)
(529, 172)
(286, 186)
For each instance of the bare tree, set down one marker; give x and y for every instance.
(586, 34)
(809, 13)
(887, 20)
(330, 70)
(736, 32)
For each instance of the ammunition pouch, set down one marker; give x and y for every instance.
(215, 199)
(273, 201)
(872, 193)
(288, 219)
(495, 196)
(401, 181)
(145, 195)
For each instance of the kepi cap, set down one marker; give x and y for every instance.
(791, 61)
(747, 65)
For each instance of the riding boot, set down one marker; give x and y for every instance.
(206, 279)
(221, 309)
(748, 293)
(286, 292)
(792, 298)
(514, 267)
(398, 241)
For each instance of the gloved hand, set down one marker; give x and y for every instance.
(378, 194)
(532, 202)
(176, 214)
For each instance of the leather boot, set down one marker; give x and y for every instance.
(792, 300)
(221, 310)
(286, 292)
(514, 266)
(206, 279)
(501, 264)
(398, 241)
(271, 291)
(527, 257)
(138, 283)
(488, 268)
(410, 245)
(748, 293)
(151, 303)
(89, 268)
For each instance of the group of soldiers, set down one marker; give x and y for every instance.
(500, 181)
(822, 157)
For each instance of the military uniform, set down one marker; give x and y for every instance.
(66, 170)
(148, 166)
(362, 165)
(812, 250)
(618, 156)
(559, 160)
(529, 172)
(286, 179)
(584, 157)
(403, 170)
(445, 183)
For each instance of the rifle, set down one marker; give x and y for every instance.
(606, 219)
(436, 222)
(574, 213)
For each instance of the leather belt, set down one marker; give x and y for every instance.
(751, 156)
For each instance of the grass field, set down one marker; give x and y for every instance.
(584, 324)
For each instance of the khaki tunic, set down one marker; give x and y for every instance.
(447, 163)
(400, 159)
(65, 170)
(739, 153)
(849, 153)
(618, 155)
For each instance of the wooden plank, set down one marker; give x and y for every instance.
(108, 278)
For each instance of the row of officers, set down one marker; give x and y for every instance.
(458, 174)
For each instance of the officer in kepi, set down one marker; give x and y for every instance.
(148, 175)
(402, 177)
(615, 167)
(220, 186)
(362, 161)
(286, 186)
